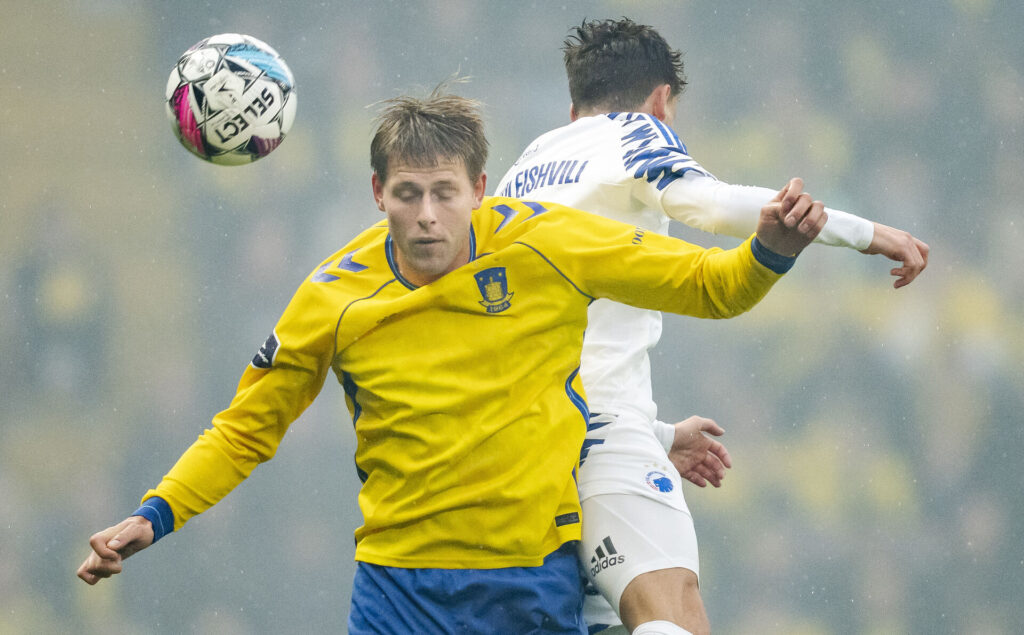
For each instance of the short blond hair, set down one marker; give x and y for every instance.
(424, 131)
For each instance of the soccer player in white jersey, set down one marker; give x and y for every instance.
(621, 158)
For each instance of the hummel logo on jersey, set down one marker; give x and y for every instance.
(605, 557)
(264, 357)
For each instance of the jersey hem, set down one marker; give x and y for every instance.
(460, 563)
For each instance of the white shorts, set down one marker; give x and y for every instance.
(622, 456)
(635, 518)
(625, 535)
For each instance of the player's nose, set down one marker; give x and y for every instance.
(427, 213)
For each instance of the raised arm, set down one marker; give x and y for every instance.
(703, 202)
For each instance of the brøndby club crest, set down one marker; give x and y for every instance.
(494, 289)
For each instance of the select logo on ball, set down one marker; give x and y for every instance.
(231, 99)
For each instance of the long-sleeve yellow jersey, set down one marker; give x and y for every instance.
(464, 393)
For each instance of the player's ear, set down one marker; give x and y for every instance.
(378, 191)
(573, 115)
(479, 188)
(658, 101)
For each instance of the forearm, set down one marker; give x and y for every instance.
(714, 283)
(648, 270)
(244, 435)
(208, 470)
(705, 203)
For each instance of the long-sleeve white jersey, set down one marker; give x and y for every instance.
(633, 168)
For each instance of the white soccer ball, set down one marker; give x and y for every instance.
(231, 99)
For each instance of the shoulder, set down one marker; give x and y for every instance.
(652, 151)
(503, 213)
(359, 265)
(504, 220)
(638, 129)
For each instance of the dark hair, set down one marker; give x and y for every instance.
(615, 64)
(423, 131)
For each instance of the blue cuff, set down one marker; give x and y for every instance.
(157, 511)
(770, 259)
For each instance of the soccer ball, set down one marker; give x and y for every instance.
(231, 99)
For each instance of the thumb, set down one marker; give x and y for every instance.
(709, 426)
(125, 537)
(118, 541)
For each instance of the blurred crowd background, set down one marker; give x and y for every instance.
(876, 434)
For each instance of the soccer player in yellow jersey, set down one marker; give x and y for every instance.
(455, 329)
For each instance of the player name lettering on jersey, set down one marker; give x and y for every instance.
(550, 173)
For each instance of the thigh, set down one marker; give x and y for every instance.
(626, 535)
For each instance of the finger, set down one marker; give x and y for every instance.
(99, 543)
(773, 212)
(923, 249)
(782, 193)
(695, 478)
(715, 465)
(95, 575)
(85, 574)
(913, 265)
(914, 262)
(711, 427)
(720, 452)
(87, 577)
(902, 277)
(796, 214)
(124, 539)
(95, 568)
(710, 474)
(792, 191)
(814, 221)
(905, 275)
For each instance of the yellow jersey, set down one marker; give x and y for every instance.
(464, 393)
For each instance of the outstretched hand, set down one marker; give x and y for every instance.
(112, 545)
(699, 458)
(896, 244)
(791, 220)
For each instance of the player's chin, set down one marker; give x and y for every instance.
(431, 265)
(431, 257)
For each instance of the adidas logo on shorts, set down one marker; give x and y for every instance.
(605, 557)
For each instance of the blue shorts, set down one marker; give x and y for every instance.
(544, 599)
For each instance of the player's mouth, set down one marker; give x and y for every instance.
(426, 242)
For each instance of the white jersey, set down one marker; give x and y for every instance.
(633, 168)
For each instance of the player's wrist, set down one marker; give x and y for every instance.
(774, 261)
(159, 514)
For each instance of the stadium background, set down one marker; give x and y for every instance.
(876, 434)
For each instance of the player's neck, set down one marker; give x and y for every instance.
(595, 112)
